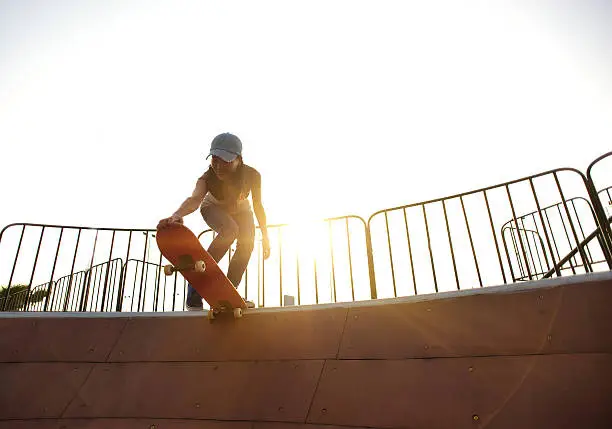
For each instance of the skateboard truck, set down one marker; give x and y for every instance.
(224, 306)
(186, 263)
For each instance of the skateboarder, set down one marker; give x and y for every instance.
(221, 194)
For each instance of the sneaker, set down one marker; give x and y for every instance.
(194, 304)
(194, 308)
(193, 301)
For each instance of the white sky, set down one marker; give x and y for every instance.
(107, 108)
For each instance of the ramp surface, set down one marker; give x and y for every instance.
(538, 355)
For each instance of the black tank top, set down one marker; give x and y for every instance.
(236, 188)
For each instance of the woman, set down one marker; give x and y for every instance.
(221, 193)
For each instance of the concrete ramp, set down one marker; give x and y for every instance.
(536, 355)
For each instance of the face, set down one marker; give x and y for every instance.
(224, 169)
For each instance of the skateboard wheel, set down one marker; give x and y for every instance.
(237, 313)
(210, 315)
(168, 270)
(200, 266)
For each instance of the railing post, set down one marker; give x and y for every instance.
(373, 294)
(602, 220)
(600, 213)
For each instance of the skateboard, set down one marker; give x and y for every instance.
(186, 255)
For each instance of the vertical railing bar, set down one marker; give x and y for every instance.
(121, 291)
(70, 297)
(519, 232)
(174, 294)
(55, 293)
(263, 277)
(331, 248)
(76, 250)
(297, 267)
(390, 254)
(60, 305)
(100, 287)
(569, 241)
(113, 279)
(350, 259)
(522, 221)
(156, 288)
(535, 196)
(433, 267)
(159, 276)
(99, 290)
(27, 300)
(111, 286)
(316, 279)
(600, 234)
(552, 236)
(586, 247)
(517, 252)
(501, 264)
(538, 252)
(280, 265)
(144, 267)
(410, 251)
(529, 236)
(260, 297)
(548, 224)
(567, 237)
(10, 283)
(585, 261)
(603, 223)
(53, 269)
(110, 256)
(86, 276)
(133, 285)
(467, 224)
(85, 291)
(450, 242)
(89, 275)
(246, 282)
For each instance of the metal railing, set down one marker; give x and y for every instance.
(551, 221)
(319, 262)
(549, 224)
(454, 242)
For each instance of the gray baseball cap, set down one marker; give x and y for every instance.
(226, 146)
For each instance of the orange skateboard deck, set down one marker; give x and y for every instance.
(184, 251)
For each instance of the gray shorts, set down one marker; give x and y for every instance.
(237, 223)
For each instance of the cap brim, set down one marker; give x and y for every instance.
(223, 154)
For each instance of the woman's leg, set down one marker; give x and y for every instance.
(244, 246)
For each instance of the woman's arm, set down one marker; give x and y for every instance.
(192, 203)
(260, 213)
(188, 206)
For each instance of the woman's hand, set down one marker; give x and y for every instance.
(266, 246)
(169, 221)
